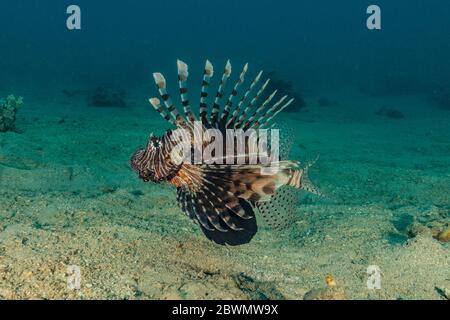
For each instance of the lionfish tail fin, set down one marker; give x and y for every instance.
(306, 183)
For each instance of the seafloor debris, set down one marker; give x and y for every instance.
(329, 280)
(390, 113)
(286, 88)
(104, 97)
(326, 293)
(444, 235)
(8, 111)
(435, 224)
(330, 292)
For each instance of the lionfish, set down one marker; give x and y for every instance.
(220, 198)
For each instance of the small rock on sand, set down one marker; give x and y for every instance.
(327, 293)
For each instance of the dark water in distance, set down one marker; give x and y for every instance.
(317, 44)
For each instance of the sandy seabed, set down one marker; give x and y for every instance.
(68, 197)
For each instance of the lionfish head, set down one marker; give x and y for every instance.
(152, 163)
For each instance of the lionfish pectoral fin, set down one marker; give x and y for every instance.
(245, 231)
(209, 200)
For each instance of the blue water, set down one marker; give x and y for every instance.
(315, 43)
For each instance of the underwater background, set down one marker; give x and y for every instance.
(374, 104)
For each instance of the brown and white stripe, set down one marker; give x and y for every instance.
(259, 110)
(237, 111)
(258, 122)
(276, 113)
(234, 92)
(183, 75)
(216, 106)
(161, 85)
(249, 107)
(207, 75)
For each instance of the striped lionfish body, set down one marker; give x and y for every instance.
(220, 197)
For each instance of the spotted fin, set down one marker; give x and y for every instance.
(279, 212)
(221, 198)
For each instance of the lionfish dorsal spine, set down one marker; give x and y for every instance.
(261, 120)
(278, 111)
(249, 107)
(183, 75)
(207, 75)
(156, 103)
(246, 118)
(244, 98)
(233, 94)
(161, 85)
(259, 110)
(216, 106)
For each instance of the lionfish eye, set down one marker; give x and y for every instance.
(156, 142)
